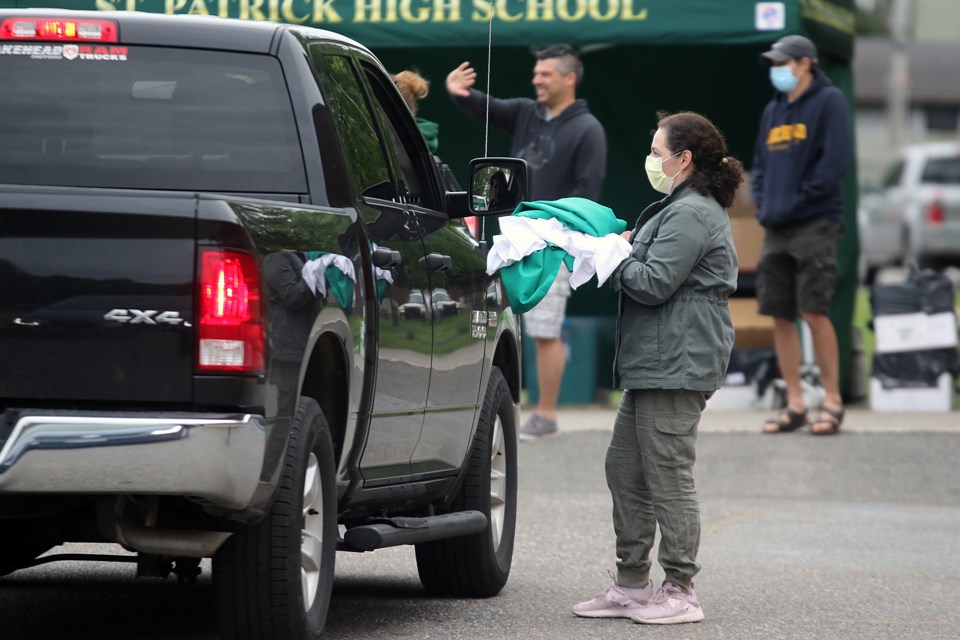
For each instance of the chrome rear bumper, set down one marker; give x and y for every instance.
(214, 458)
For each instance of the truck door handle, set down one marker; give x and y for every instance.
(386, 258)
(435, 262)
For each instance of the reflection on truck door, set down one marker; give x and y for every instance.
(403, 359)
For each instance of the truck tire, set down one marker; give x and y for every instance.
(273, 580)
(478, 565)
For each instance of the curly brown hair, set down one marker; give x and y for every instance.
(715, 172)
(413, 87)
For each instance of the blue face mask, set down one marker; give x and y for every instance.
(783, 78)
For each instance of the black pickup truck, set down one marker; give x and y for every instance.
(208, 232)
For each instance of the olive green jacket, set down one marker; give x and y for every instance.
(673, 321)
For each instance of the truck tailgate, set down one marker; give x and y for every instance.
(96, 296)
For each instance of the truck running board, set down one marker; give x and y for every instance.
(390, 532)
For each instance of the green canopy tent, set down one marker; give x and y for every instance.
(641, 56)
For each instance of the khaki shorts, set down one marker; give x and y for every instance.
(546, 319)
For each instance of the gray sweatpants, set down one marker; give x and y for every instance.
(649, 469)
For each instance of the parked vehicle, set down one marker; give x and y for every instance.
(415, 306)
(443, 303)
(916, 214)
(207, 230)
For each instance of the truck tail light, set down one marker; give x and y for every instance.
(230, 327)
(935, 214)
(60, 29)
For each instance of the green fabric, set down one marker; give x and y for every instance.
(341, 286)
(527, 281)
(673, 325)
(579, 214)
(382, 287)
(515, 22)
(337, 282)
(431, 133)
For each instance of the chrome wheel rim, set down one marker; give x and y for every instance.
(311, 535)
(498, 481)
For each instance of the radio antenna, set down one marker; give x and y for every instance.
(486, 119)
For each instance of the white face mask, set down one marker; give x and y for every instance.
(658, 179)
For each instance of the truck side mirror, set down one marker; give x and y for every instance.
(497, 185)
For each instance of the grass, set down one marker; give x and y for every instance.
(862, 315)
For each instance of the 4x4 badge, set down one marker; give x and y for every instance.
(147, 316)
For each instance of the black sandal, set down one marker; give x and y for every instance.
(788, 420)
(834, 419)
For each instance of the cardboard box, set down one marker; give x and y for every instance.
(748, 240)
(743, 205)
(938, 398)
(747, 232)
(752, 329)
(901, 332)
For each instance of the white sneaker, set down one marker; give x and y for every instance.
(614, 602)
(671, 605)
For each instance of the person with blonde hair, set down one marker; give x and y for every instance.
(414, 88)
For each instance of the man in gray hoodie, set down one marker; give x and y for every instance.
(567, 149)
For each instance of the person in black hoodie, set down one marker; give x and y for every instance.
(567, 149)
(803, 150)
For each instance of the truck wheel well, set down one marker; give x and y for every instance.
(505, 358)
(326, 382)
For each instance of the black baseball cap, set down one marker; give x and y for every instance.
(789, 48)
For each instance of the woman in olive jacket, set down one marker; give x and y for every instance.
(674, 338)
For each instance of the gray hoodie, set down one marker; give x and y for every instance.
(568, 153)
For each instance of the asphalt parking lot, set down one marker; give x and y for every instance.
(850, 537)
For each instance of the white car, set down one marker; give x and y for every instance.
(915, 217)
(443, 304)
(415, 306)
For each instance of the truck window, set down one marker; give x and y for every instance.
(154, 118)
(941, 171)
(401, 143)
(360, 140)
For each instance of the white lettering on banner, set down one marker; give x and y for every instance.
(563, 10)
(407, 12)
(323, 11)
(286, 10)
(596, 10)
(395, 11)
(540, 9)
(483, 11)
